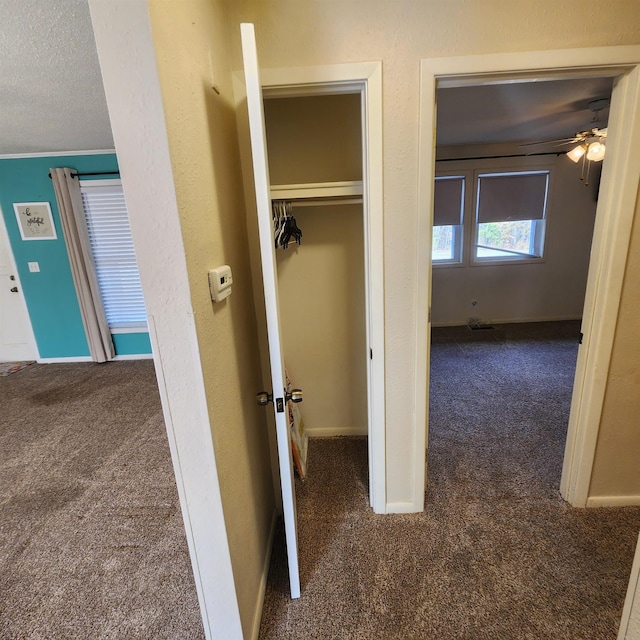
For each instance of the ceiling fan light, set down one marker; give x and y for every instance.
(596, 152)
(577, 152)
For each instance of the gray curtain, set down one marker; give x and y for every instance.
(76, 235)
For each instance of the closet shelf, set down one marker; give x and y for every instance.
(316, 190)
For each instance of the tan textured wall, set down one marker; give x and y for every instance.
(314, 138)
(292, 33)
(616, 469)
(321, 284)
(322, 314)
(190, 43)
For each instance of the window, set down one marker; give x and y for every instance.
(448, 202)
(510, 215)
(113, 254)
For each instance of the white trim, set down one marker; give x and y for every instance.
(364, 78)
(64, 360)
(609, 250)
(403, 507)
(133, 356)
(55, 154)
(596, 502)
(316, 190)
(630, 622)
(120, 330)
(332, 432)
(262, 588)
(611, 234)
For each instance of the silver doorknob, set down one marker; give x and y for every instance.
(294, 396)
(14, 289)
(263, 398)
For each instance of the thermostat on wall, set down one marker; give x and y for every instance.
(220, 281)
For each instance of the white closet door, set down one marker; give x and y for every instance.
(270, 283)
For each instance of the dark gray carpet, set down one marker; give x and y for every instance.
(92, 543)
(497, 553)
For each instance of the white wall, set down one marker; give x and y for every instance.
(550, 289)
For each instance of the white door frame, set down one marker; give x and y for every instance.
(614, 217)
(364, 78)
(31, 339)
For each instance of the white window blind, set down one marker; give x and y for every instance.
(113, 253)
(514, 196)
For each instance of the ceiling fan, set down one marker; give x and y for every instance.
(590, 143)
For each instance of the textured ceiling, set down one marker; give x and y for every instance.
(525, 111)
(51, 95)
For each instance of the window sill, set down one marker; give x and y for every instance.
(492, 262)
(142, 328)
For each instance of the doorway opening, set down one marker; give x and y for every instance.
(347, 191)
(513, 226)
(611, 233)
(364, 80)
(17, 342)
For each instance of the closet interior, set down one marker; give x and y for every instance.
(315, 164)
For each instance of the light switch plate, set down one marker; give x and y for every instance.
(34, 267)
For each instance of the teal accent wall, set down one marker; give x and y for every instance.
(131, 343)
(50, 294)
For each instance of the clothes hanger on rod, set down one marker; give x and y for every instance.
(285, 228)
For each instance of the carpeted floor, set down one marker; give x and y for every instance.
(92, 544)
(497, 555)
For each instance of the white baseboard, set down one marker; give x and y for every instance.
(332, 432)
(613, 501)
(404, 507)
(133, 356)
(257, 616)
(64, 360)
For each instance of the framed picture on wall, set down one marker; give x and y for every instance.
(35, 220)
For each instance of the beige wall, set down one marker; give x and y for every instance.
(292, 33)
(314, 138)
(190, 43)
(322, 315)
(321, 283)
(616, 469)
(552, 289)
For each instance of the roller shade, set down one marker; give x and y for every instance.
(114, 255)
(447, 201)
(521, 196)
